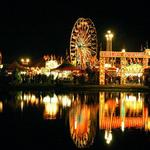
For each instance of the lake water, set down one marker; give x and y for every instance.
(77, 120)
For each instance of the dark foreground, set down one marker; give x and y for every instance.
(29, 134)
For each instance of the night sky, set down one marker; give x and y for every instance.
(33, 29)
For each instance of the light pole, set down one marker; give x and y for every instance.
(109, 37)
(25, 61)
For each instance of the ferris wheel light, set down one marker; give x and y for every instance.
(83, 42)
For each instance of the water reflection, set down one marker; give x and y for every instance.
(52, 103)
(51, 107)
(82, 122)
(88, 114)
(1, 106)
(124, 110)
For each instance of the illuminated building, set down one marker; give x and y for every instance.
(121, 67)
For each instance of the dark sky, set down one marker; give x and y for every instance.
(32, 29)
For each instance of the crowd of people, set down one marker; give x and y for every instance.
(15, 77)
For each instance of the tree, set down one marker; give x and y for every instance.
(16, 76)
(3, 76)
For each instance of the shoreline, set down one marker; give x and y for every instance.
(75, 87)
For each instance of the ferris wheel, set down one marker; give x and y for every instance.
(83, 43)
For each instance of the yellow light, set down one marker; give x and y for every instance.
(109, 35)
(22, 60)
(1, 66)
(108, 31)
(27, 60)
(1, 106)
(66, 101)
(148, 124)
(106, 35)
(123, 50)
(108, 136)
(33, 99)
(122, 126)
(51, 110)
(46, 99)
(22, 105)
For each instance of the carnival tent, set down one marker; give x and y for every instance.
(66, 66)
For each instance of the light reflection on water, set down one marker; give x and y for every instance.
(88, 114)
(1, 106)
